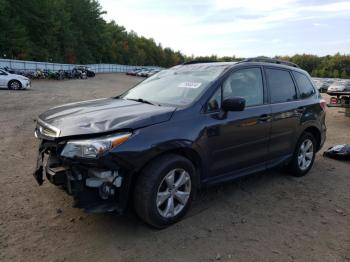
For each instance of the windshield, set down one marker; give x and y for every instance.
(179, 85)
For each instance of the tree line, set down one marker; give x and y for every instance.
(74, 31)
(334, 66)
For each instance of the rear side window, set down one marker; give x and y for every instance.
(281, 85)
(304, 84)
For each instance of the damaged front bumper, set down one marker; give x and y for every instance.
(94, 185)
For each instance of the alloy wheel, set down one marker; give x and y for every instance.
(306, 154)
(173, 193)
(14, 85)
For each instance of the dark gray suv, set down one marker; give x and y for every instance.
(191, 125)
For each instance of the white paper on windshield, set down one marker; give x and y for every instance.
(190, 84)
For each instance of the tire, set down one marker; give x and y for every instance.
(14, 85)
(152, 185)
(302, 162)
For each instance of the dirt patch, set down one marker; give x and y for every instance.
(265, 217)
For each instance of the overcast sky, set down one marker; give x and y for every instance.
(238, 27)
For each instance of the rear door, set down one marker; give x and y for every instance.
(285, 112)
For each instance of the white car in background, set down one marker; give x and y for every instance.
(340, 86)
(13, 81)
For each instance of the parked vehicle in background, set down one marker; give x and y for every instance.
(142, 72)
(13, 81)
(79, 73)
(322, 84)
(191, 125)
(340, 86)
(133, 72)
(340, 92)
(147, 72)
(85, 70)
(151, 72)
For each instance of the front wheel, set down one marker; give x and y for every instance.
(164, 190)
(14, 85)
(304, 155)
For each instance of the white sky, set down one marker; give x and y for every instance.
(237, 27)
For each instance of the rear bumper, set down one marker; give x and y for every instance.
(323, 131)
(323, 137)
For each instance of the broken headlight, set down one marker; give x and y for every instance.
(92, 148)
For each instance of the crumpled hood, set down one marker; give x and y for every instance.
(103, 115)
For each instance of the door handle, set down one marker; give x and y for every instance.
(264, 118)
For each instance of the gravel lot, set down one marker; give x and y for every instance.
(265, 217)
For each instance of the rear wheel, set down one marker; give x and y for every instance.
(304, 155)
(164, 190)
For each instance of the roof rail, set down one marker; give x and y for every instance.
(198, 62)
(269, 60)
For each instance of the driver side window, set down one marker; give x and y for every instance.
(246, 83)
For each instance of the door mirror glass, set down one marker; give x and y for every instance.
(233, 104)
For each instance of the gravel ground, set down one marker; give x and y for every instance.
(265, 217)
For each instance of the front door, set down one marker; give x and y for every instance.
(3, 78)
(238, 141)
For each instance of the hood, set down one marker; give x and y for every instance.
(102, 115)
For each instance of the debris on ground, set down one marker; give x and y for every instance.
(340, 211)
(340, 152)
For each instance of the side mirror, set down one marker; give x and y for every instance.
(233, 104)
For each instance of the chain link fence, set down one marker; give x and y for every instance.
(97, 68)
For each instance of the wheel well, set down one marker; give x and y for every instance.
(316, 133)
(191, 155)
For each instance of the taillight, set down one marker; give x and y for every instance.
(323, 104)
(333, 100)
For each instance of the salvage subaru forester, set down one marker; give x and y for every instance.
(195, 124)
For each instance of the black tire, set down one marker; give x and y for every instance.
(294, 167)
(148, 183)
(13, 83)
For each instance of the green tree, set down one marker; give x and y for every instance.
(74, 31)
(343, 74)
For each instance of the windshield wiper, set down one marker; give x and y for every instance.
(143, 101)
